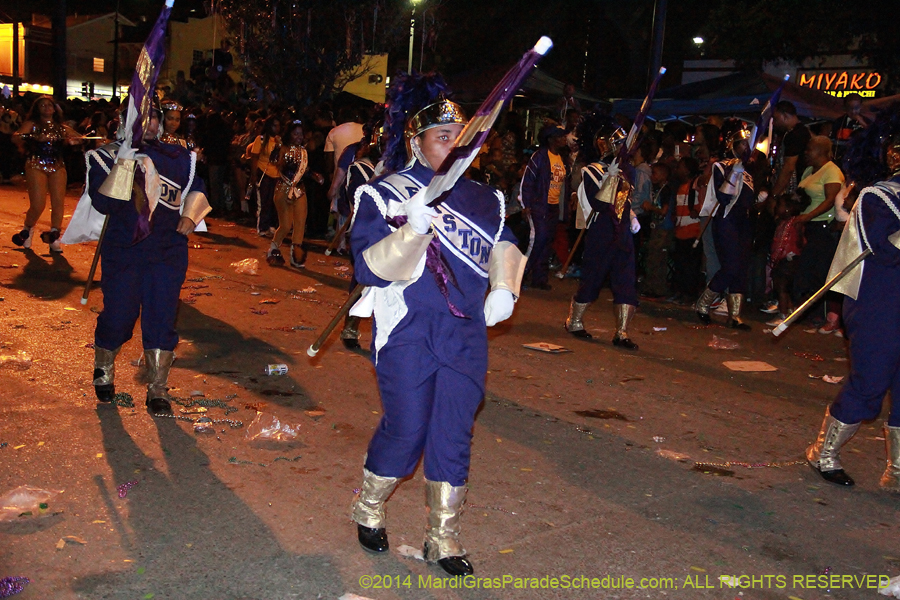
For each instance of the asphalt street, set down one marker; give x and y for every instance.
(596, 473)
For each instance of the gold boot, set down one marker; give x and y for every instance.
(158, 364)
(703, 303)
(442, 545)
(105, 373)
(890, 480)
(574, 323)
(735, 302)
(824, 454)
(368, 510)
(624, 313)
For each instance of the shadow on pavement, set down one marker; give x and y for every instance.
(220, 349)
(190, 535)
(46, 279)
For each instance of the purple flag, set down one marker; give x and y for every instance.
(479, 126)
(143, 83)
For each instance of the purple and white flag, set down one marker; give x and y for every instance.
(479, 126)
(763, 123)
(143, 82)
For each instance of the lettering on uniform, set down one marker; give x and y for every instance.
(464, 239)
(169, 193)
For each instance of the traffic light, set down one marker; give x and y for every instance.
(84, 89)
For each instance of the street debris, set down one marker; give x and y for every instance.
(660, 328)
(892, 589)
(749, 366)
(69, 539)
(307, 290)
(659, 439)
(672, 455)
(267, 427)
(832, 379)
(410, 552)
(25, 501)
(810, 355)
(628, 378)
(601, 414)
(124, 400)
(248, 266)
(259, 311)
(717, 343)
(276, 369)
(269, 301)
(20, 361)
(123, 489)
(546, 347)
(349, 596)
(204, 425)
(10, 586)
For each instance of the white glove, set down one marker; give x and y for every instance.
(635, 224)
(419, 215)
(498, 307)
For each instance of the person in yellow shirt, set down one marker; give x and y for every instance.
(542, 191)
(822, 180)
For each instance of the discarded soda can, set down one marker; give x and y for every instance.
(279, 369)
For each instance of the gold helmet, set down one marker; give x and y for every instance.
(736, 138)
(442, 112)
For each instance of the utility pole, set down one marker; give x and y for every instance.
(15, 59)
(58, 24)
(115, 65)
(659, 34)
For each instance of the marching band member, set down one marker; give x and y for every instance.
(428, 272)
(729, 198)
(872, 306)
(144, 257)
(609, 243)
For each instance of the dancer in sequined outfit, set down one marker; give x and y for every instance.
(43, 137)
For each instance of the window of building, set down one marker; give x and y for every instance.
(98, 65)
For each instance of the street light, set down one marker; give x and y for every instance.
(698, 41)
(412, 33)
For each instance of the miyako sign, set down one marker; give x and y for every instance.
(842, 82)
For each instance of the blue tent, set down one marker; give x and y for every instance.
(739, 94)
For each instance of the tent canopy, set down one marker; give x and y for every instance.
(736, 94)
(540, 89)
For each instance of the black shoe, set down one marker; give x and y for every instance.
(20, 238)
(105, 393)
(838, 476)
(158, 406)
(624, 342)
(456, 566)
(350, 343)
(542, 286)
(48, 237)
(275, 258)
(373, 540)
(704, 318)
(735, 324)
(581, 333)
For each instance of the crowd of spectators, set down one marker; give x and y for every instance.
(801, 207)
